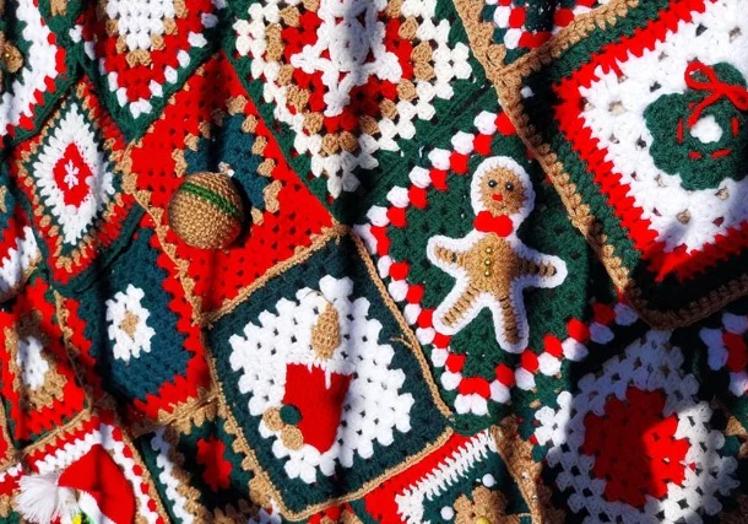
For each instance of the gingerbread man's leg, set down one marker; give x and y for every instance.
(510, 322)
(455, 314)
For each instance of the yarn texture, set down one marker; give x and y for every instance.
(373, 261)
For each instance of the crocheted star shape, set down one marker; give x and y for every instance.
(350, 78)
(491, 265)
(349, 49)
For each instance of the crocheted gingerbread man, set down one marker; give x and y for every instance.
(491, 265)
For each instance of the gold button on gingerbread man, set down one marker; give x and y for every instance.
(491, 265)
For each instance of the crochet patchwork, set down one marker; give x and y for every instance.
(19, 252)
(501, 196)
(71, 177)
(140, 55)
(36, 67)
(39, 388)
(458, 482)
(200, 473)
(643, 398)
(502, 31)
(640, 123)
(373, 261)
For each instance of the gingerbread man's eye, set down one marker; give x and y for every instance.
(509, 186)
(492, 183)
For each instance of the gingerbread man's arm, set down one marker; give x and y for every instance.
(537, 266)
(448, 256)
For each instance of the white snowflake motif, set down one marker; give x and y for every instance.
(128, 327)
(74, 219)
(350, 34)
(71, 174)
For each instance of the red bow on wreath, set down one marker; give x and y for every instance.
(716, 88)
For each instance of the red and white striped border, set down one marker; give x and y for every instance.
(512, 17)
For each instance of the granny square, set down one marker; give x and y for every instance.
(71, 176)
(462, 215)
(138, 57)
(347, 90)
(648, 397)
(213, 125)
(501, 31)
(466, 479)
(135, 335)
(38, 385)
(637, 113)
(321, 374)
(724, 340)
(199, 473)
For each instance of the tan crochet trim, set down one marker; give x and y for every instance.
(301, 254)
(409, 338)
(54, 382)
(231, 512)
(10, 454)
(516, 453)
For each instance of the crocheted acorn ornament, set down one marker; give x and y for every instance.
(207, 210)
(701, 134)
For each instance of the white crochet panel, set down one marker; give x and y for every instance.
(373, 409)
(614, 112)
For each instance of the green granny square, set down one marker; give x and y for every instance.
(328, 387)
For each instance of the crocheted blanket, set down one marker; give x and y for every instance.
(373, 261)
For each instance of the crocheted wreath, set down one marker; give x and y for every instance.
(701, 134)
